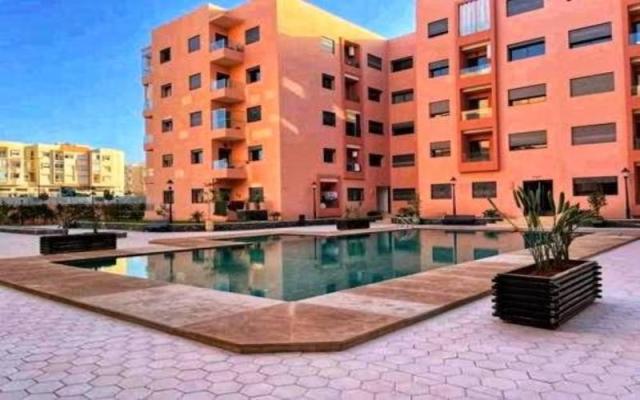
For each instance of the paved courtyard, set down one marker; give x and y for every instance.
(49, 350)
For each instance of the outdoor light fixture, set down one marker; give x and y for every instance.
(626, 174)
(170, 200)
(314, 187)
(453, 195)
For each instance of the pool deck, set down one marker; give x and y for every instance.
(248, 324)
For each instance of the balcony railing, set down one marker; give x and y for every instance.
(634, 38)
(476, 156)
(225, 84)
(636, 143)
(225, 44)
(353, 166)
(147, 104)
(148, 139)
(352, 61)
(635, 89)
(476, 70)
(221, 164)
(476, 114)
(146, 61)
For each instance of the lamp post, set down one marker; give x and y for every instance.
(170, 200)
(453, 195)
(314, 187)
(93, 209)
(626, 174)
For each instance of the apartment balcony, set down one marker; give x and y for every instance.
(224, 20)
(223, 169)
(479, 113)
(147, 109)
(226, 128)
(481, 69)
(227, 91)
(148, 142)
(146, 65)
(634, 38)
(226, 54)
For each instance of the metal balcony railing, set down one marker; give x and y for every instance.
(634, 38)
(476, 70)
(476, 156)
(225, 84)
(225, 44)
(476, 114)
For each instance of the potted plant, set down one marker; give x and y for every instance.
(353, 219)
(68, 217)
(554, 288)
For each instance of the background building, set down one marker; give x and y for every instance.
(134, 179)
(281, 99)
(33, 169)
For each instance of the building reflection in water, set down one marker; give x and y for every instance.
(292, 267)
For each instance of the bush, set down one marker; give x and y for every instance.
(597, 201)
(197, 216)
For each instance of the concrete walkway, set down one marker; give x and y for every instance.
(49, 350)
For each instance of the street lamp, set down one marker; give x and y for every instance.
(314, 187)
(626, 174)
(93, 209)
(453, 195)
(170, 200)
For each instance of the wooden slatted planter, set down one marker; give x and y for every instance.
(75, 243)
(546, 301)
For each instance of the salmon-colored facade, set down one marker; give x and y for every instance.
(280, 101)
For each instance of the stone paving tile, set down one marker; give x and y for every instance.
(49, 350)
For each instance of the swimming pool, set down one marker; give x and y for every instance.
(297, 267)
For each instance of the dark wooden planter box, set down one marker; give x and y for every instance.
(75, 243)
(546, 302)
(353, 223)
(253, 215)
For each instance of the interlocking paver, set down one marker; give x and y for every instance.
(50, 350)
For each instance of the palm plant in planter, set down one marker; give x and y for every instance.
(555, 288)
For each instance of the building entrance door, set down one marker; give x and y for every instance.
(383, 199)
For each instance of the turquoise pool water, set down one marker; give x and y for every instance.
(298, 267)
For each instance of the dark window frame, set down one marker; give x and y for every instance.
(441, 191)
(199, 156)
(251, 74)
(374, 94)
(195, 119)
(590, 41)
(402, 64)
(376, 160)
(405, 160)
(254, 114)
(402, 96)
(329, 119)
(403, 128)
(527, 47)
(255, 153)
(403, 194)
(355, 194)
(435, 28)
(328, 79)
(440, 149)
(166, 125)
(478, 191)
(607, 187)
(331, 153)
(193, 44)
(517, 7)
(376, 127)
(195, 81)
(374, 62)
(165, 55)
(252, 35)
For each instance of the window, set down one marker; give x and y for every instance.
(167, 160)
(528, 140)
(256, 193)
(375, 160)
(252, 35)
(593, 84)
(328, 118)
(403, 160)
(402, 96)
(165, 55)
(474, 16)
(591, 134)
(195, 82)
(528, 49)
(193, 44)
(197, 196)
(528, 95)
(255, 153)
(328, 81)
(376, 127)
(374, 62)
(438, 68)
(254, 74)
(440, 149)
(328, 45)
(439, 109)
(195, 118)
(254, 114)
(405, 194)
(441, 191)
(374, 94)
(515, 7)
(403, 128)
(167, 125)
(352, 124)
(166, 90)
(607, 185)
(197, 156)
(484, 190)
(329, 155)
(355, 194)
(437, 28)
(590, 35)
(401, 64)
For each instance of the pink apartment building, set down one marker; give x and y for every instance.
(281, 101)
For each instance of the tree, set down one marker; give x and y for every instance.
(68, 215)
(597, 201)
(108, 195)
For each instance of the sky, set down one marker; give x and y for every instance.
(70, 69)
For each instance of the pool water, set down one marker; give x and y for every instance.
(298, 267)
